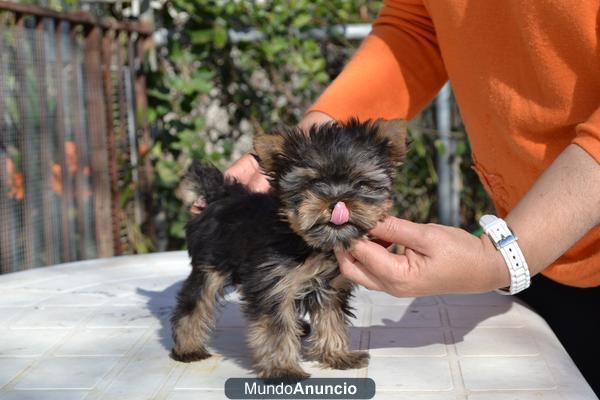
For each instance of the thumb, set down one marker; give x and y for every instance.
(258, 183)
(400, 231)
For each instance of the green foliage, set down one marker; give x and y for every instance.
(416, 185)
(209, 95)
(57, 5)
(417, 180)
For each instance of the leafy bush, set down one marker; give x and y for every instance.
(209, 94)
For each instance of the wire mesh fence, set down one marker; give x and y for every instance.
(74, 183)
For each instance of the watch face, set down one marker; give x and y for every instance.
(487, 219)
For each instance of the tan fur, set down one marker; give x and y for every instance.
(315, 210)
(312, 210)
(340, 282)
(267, 146)
(329, 341)
(366, 214)
(274, 341)
(191, 332)
(301, 172)
(294, 284)
(328, 333)
(395, 131)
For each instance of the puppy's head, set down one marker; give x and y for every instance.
(334, 182)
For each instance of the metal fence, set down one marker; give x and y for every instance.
(74, 183)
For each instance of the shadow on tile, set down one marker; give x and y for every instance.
(229, 337)
(161, 304)
(422, 326)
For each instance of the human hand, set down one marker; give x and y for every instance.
(437, 260)
(313, 118)
(247, 172)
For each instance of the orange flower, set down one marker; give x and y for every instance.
(71, 155)
(143, 148)
(57, 179)
(16, 181)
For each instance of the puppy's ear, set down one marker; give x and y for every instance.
(267, 147)
(395, 131)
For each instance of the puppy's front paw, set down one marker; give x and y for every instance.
(350, 360)
(190, 357)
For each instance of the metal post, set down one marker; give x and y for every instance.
(50, 245)
(128, 77)
(107, 61)
(144, 139)
(449, 178)
(27, 151)
(6, 212)
(97, 130)
(66, 191)
(80, 148)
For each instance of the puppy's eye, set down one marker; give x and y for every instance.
(365, 187)
(319, 185)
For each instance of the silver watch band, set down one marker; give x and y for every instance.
(504, 240)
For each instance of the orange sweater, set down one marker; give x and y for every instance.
(525, 73)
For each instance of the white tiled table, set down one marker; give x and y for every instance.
(99, 330)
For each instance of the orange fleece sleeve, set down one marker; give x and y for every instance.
(588, 135)
(396, 71)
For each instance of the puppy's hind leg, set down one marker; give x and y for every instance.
(194, 316)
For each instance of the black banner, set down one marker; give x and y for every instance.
(312, 388)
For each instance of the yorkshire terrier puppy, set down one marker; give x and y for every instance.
(330, 185)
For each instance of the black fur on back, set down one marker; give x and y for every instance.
(239, 231)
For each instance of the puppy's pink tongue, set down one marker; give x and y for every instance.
(340, 214)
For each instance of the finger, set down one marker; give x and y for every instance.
(259, 183)
(412, 256)
(400, 231)
(376, 259)
(354, 271)
(313, 118)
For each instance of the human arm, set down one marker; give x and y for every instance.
(558, 210)
(396, 71)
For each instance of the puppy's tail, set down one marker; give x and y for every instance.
(207, 182)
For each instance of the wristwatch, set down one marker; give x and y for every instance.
(505, 241)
